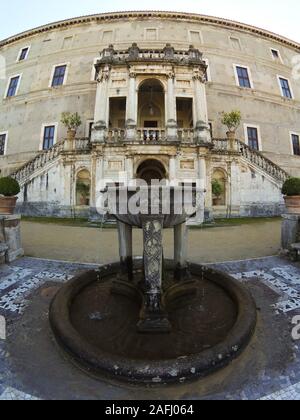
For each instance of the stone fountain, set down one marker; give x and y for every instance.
(153, 320)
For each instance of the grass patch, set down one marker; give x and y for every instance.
(237, 222)
(82, 222)
(76, 222)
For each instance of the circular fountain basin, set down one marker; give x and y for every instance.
(174, 204)
(94, 318)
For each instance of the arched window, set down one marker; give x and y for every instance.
(219, 188)
(83, 188)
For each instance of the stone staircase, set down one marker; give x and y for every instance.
(25, 172)
(254, 157)
(220, 146)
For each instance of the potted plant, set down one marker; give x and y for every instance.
(72, 122)
(217, 191)
(9, 189)
(291, 192)
(232, 121)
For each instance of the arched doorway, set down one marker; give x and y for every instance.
(83, 188)
(151, 169)
(151, 108)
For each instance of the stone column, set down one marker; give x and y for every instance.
(131, 108)
(172, 170)
(180, 250)
(171, 113)
(153, 316)
(129, 169)
(101, 107)
(125, 249)
(202, 130)
(202, 172)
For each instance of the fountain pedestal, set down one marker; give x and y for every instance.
(153, 315)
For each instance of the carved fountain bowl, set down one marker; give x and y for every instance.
(174, 204)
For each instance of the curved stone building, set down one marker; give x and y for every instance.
(150, 88)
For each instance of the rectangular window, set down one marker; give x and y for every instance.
(90, 129)
(67, 42)
(59, 75)
(275, 54)
(285, 88)
(151, 34)
(23, 54)
(243, 77)
(235, 43)
(296, 144)
(253, 141)
(13, 86)
(48, 138)
(107, 37)
(2, 143)
(195, 37)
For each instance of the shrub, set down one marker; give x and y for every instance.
(71, 121)
(291, 187)
(232, 120)
(217, 188)
(9, 187)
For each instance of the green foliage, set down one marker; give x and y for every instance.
(71, 121)
(291, 187)
(232, 120)
(82, 188)
(217, 188)
(9, 187)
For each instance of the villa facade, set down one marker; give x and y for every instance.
(150, 88)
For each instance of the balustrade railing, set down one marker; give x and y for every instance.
(116, 135)
(185, 135)
(151, 135)
(46, 156)
(253, 156)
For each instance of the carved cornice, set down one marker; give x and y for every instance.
(108, 17)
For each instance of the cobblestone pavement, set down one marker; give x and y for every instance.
(31, 366)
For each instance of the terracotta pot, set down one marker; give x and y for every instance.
(217, 201)
(231, 139)
(7, 204)
(292, 204)
(71, 134)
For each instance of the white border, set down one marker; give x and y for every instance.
(249, 125)
(198, 32)
(87, 127)
(292, 133)
(231, 38)
(237, 76)
(52, 75)
(55, 124)
(20, 52)
(151, 29)
(6, 141)
(279, 55)
(18, 86)
(280, 87)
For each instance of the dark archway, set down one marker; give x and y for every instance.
(151, 169)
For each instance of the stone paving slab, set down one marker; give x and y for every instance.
(31, 366)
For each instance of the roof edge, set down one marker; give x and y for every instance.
(151, 14)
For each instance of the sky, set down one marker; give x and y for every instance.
(277, 16)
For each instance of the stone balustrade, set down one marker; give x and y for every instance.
(135, 54)
(253, 156)
(46, 156)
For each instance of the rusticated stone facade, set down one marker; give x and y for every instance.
(151, 103)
